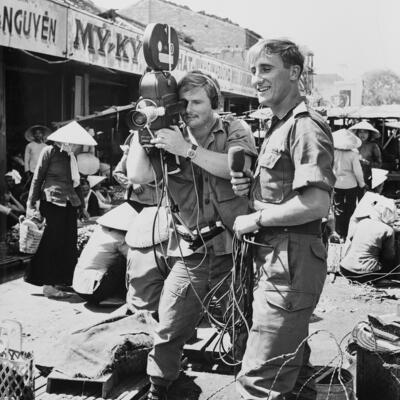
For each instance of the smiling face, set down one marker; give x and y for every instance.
(198, 111)
(273, 82)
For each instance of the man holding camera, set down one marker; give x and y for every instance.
(289, 195)
(202, 192)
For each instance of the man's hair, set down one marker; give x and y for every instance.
(195, 79)
(287, 50)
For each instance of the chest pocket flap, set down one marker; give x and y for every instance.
(269, 159)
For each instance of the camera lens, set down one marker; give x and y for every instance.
(139, 119)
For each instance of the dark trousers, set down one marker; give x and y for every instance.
(344, 201)
(56, 257)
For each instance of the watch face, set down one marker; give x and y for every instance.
(191, 153)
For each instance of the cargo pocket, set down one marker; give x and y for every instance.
(271, 177)
(290, 301)
(173, 305)
(272, 260)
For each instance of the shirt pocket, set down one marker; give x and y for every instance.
(271, 176)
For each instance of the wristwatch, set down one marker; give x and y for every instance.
(191, 153)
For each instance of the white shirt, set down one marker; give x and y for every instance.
(32, 152)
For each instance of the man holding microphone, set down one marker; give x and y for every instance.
(289, 195)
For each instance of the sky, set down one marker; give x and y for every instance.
(348, 37)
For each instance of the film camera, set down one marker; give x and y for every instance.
(158, 105)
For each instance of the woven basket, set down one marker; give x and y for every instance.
(30, 235)
(16, 366)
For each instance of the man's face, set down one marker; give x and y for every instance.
(9, 182)
(271, 79)
(37, 135)
(198, 110)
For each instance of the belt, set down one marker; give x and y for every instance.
(309, 228)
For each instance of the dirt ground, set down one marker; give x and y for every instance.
(341, 307)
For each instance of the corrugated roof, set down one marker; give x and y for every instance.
(384, 111)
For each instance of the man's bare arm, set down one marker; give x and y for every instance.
(309, 205)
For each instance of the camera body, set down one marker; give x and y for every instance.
(158, 105)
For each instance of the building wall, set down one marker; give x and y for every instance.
(232, 56)
(207, 32)
(335, 91)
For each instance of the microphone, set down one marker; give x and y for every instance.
(236, 159)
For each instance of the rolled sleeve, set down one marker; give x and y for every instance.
(240, 136)
(39, 175)
(312, 154)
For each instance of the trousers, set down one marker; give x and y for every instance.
(147, 269)
(290, 272)
(180, 310)
(345, 202)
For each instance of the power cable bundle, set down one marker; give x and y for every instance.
(236, 302)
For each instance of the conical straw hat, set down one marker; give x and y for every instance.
(343, 139)
(378, 176)
(120, 217)
(364, 125)
(29, 132)
(72, 133)
(95, 179)
(140, 233)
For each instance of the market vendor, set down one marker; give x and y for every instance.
(11, 207)
(370, 247)
(370, 152)
(100, 271)
(36, 136)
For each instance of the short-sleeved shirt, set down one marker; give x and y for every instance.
(32, 152)
(297, 153)
(205, 199)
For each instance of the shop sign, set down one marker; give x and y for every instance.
(231, 79)
(34, 25)
(98, 42)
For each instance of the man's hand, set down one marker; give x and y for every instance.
(241, 182)
(245, 224)
(137, 188)
(171, 140)
(85, 216)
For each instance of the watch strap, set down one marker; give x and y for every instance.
(191, 152)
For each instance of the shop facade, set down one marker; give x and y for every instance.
(58, 63)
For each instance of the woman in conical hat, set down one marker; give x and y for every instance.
(371, 254)
(371, 156)
(56, 186)
(349, 178)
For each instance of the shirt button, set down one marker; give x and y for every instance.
(207, 201)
